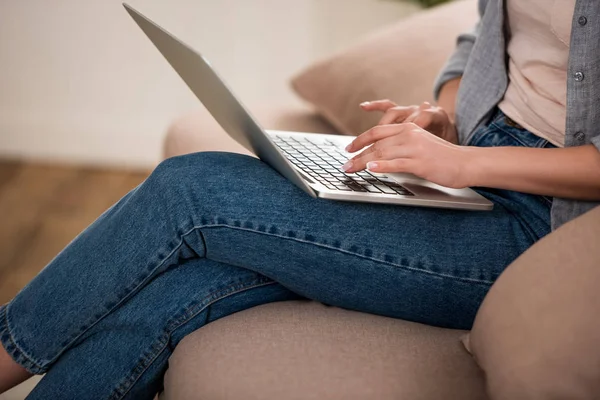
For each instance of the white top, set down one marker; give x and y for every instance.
(538, 51)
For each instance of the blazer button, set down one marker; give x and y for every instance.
(582, 20)
(580, 137)
(578, 76)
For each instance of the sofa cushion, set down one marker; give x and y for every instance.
(198, 131)
(398, 63)
(305, 350)
(537, 332)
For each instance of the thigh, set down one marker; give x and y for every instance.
(423, 264)
(125, 355)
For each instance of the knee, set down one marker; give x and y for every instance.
(185, 164)
(181, 171)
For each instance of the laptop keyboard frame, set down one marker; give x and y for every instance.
(323, 163)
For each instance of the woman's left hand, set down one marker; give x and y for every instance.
(408, 148)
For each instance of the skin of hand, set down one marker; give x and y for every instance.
(432, 153)
(407, 147)
(408, 131)
(431, 118)
(572, 172)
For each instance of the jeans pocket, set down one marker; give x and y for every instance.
(520, 137)
(495, 135)
(504, 132)
(548, 199)
(479, 137)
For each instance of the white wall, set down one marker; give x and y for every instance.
(79, 82)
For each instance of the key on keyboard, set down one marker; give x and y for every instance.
(323, 163)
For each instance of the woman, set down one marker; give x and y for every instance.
(188, 247)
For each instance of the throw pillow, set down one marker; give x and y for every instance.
(399, 63)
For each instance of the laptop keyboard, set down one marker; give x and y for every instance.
(323, 162)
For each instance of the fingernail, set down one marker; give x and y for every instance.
(348, 148)
(372, 165)
(364, 104)
(347, 166)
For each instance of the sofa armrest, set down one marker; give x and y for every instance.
(198, 131)
(536, 333)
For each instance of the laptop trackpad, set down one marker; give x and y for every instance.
(430, 190)
(427, 191)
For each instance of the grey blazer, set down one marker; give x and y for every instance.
(480, 58)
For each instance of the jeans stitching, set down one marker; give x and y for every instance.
(234, 288)
(412, 269)
(18, 350)
(165, 338)
(540, 142)
(477, 136)
(499, 117)
(181, 241)
(497, 122)
(125, 298)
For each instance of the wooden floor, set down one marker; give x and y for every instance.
(43, 207)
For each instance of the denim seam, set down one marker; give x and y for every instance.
(43, 369)
(476, 137)
(195, 228)
(164, 340)
(469, 280)
(18, 353)
(539, 143)
(499, 117)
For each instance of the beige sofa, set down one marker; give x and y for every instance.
(306, 350)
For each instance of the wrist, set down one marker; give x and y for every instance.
(473, 166)
(451, 134)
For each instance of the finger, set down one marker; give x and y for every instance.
(422, 119)
(400, 165)
(381, 153)
(359, 163)
(372, 135)
(377, 105)
(411, 118)
(397, 115)
(394, 140)
(421, 114)
(367, 151)
(407, 114)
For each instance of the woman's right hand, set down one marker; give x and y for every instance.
(431, 118)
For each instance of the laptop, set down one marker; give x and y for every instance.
(311, 161)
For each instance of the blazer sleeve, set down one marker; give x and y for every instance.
(455, 66)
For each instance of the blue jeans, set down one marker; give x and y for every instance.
(211, 234)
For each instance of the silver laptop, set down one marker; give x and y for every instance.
(311, 161)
